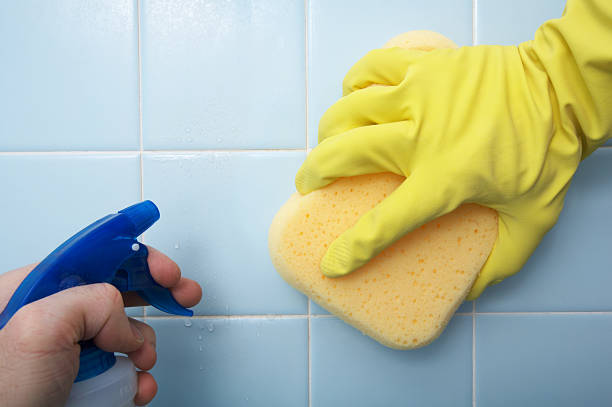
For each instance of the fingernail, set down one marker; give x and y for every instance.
(137, 334)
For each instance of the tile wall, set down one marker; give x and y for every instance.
(208, 108)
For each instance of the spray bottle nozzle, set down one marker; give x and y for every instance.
(142, 215)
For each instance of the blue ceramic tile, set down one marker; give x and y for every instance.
(135, 312)
(467, 306)
(350, 369)
(216, 208)
(341, 32)
(47, 198)
(570, 270)
(223, 74)
(231, 362)
(503, 22)
(69, 75)
(543, 360)
(316, 309)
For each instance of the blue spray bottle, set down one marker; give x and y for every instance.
(105, 251)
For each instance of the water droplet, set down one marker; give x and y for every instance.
(200, 348)
(211, 327)
(199, 337)
(187, 130)
(219, 140)
(201, 367)
(176, 245)
(188, 323)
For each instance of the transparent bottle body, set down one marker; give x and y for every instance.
(114, 388)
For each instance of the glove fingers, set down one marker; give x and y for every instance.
(516, 241)
(375, 105)
(364, 150)
(418, 200)
(380, 66)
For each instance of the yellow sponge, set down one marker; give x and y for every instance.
(406, 295)
(420, 39)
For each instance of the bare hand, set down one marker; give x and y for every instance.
(39, 346)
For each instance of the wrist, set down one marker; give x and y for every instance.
(574, 52)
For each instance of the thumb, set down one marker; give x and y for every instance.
(419, 199)
(89, 312)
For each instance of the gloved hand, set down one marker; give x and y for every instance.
(505, 127)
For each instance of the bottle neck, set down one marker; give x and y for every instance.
(93, 361)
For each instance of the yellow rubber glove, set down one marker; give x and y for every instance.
(505, 127)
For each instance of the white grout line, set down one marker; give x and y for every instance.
(140, 139)
(73, 152)
(142, 151)
(307, 128)
(242, 150)
(140, 100)
(544, 313)
(306, 65)
(263, 316)
(474, 353)
(250, 316)
(474, 22)
(309, 356)
(307, 73)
